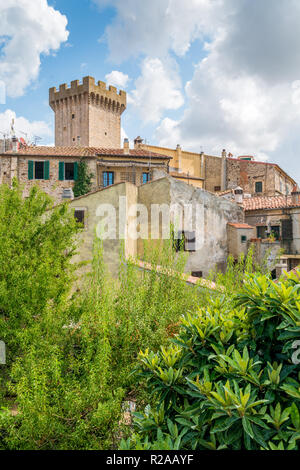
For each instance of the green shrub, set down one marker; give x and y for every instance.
(228, 379)
(71, 378)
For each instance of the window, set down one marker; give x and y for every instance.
(73, 116)
(243, 239)
(68, 171)
(217, 188)
(275, 231)
(190, 241)
(145, 178)
(185, 241)
(197, 274)
(108, 178)
(128, 176)
(38, 170)
(258, 187)
(79, 216)
(261, 232)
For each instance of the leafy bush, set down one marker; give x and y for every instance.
(228, 379)
(83, 184)
(70, 377)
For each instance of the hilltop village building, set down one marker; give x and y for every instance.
(225, 173)
(230, 193)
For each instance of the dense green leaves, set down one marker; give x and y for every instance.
(228, 380)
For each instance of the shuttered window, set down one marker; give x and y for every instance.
(30, 170)
(287, 229)
(68, 171)
(61, 171)
(38, 170)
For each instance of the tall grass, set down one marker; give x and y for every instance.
(74, 374)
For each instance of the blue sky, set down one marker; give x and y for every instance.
(208, 74)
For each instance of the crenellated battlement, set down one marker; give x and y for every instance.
(97, 94)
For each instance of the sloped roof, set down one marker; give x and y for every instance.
(268, 202)
(240, 225)
(85, 152)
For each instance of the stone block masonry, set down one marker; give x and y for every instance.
(87, 115)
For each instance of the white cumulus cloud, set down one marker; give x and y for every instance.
(28, 29)
(117, 78)
(24, 128)
(157, 89)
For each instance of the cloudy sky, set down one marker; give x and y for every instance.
(206, 74)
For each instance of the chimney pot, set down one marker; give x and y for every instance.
(239, 195)
(15, 144)
(126, 146)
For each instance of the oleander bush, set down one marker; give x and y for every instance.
(230, 379)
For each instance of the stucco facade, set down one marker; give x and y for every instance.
(210, 216)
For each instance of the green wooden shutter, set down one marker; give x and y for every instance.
(30, 169)
(47, 170)
(75, 171)
(61, 171)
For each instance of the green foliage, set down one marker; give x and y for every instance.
(83, 184)
(69, 371)
(35, 256)
(227, 380)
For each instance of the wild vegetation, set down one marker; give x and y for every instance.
(69, 355)
(216, 371)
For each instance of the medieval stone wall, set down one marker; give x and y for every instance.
(87, 114)
(18, 167)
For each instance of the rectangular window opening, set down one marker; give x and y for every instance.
(185, 241)
(108, 178)
(197, 274)
(79, 215)
(69, 171)
(258, 187)
(39, 170)
(145, 177)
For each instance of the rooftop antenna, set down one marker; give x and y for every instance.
(24, 133)
(36, 139)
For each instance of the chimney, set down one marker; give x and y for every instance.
(202, 163)
(296, 196)
(68, 193)
(126, 147)
(239, 195)
(224, 171)
(178, 158)
(15, 144)
(138, 142)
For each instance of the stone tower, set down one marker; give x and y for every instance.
(87, 115)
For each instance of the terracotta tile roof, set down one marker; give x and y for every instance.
(223, 193)
(240, 225)
(268, 202)
(85, 152)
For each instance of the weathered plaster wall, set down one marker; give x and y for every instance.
(111, 247)
(210, 216)
(235, 245)
(212, 230)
